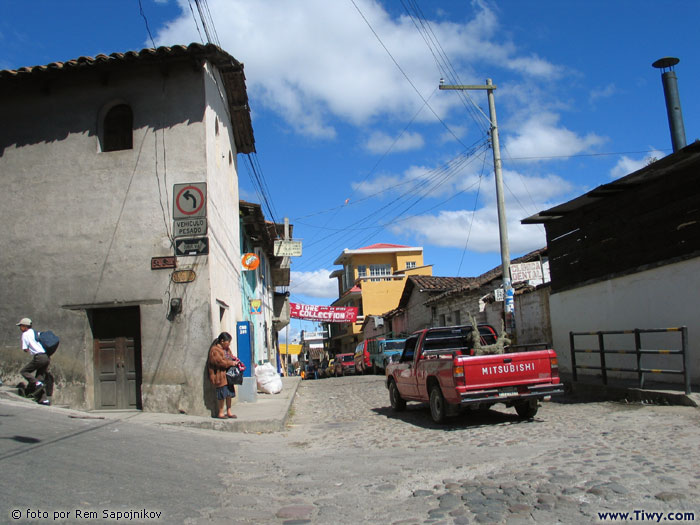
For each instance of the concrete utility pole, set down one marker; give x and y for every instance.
(509, 303)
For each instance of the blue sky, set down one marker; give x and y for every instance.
(356, 143)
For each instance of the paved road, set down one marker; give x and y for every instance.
(350, 459)
(347, 458)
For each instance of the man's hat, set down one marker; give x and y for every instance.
(26, 321)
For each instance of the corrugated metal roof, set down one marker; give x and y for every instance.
(675, 161)
(231, 71)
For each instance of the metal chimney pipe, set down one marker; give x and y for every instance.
(673, 101)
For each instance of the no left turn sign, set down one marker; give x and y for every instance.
(189, 200)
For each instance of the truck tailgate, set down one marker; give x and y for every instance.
(503, 370)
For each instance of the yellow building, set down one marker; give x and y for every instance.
(372, 279)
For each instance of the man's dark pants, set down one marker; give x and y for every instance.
(38, 364)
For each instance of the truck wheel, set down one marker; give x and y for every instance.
(438, 410)
(527, 409)
(397, 402)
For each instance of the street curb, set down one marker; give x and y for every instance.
(598, 392)
(269, 413)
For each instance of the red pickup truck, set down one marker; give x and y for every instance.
(440, 366)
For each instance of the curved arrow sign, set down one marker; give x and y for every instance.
(189, 200)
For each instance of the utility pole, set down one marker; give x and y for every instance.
(509, 303)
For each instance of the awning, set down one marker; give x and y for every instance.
(290, 349)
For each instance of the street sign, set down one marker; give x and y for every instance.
(189, 227)
(498, 294)
(531, 271)
(162, 263)
(183, 276)
(284, 248)
(198, 246)
(189, 200)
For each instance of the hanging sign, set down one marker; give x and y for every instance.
(330, 314)
(284, 248)
(255, 306)
(250, 261)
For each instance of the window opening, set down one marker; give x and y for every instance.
(379, 270)
(118, 129)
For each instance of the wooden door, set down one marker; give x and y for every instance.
(117, 358)
(116, 373)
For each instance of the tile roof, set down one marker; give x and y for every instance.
(491, 275)
(231, 71)
(429, 283)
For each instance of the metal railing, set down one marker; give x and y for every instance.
(638, 352)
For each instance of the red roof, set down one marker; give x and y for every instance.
(380, 246)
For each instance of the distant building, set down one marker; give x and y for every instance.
(267, 310)
(372, 279)
(101, 155)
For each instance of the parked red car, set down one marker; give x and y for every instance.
(344, 364)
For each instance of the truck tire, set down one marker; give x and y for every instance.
(438, 408)
(374, 368)
(527, 409)
(397, 402)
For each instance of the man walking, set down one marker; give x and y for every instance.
(40, 361)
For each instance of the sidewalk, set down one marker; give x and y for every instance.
(269, 413)
(591, 388)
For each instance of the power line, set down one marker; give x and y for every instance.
(406, 76)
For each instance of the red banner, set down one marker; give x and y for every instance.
(330, 314)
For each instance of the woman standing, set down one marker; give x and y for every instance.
(220, 360)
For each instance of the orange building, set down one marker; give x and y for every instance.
(372, 279)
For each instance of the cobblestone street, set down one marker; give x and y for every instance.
(347, 458)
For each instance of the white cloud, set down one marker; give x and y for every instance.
(316, 283)
(541, 136)
(382, 143)
(627, 165)
(453, 228)
(604, 92)
(313, 59)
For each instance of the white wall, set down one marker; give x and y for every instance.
(664, 297)
(222, 207)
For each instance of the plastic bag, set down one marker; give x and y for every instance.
(269, 381)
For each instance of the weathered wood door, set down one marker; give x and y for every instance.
(117, 374)
(117, 357)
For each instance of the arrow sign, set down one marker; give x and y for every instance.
(198, 246)
(189, 200)
(187, 195)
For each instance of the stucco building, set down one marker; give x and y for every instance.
(102, 156)
(266, 309)
(372, 279)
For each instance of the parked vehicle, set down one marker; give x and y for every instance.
(309, 371)
(385, 348)
(363, 365)
(439, 366)
(344, 364)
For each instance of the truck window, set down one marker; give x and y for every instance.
(409, 349)
(448, 339)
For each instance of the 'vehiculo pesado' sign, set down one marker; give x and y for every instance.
(330, 314)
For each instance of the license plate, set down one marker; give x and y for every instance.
(508, 392)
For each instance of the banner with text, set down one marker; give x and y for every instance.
(330, 314)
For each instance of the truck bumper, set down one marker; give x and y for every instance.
(501, 395)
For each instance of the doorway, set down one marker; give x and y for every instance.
(117, 357)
